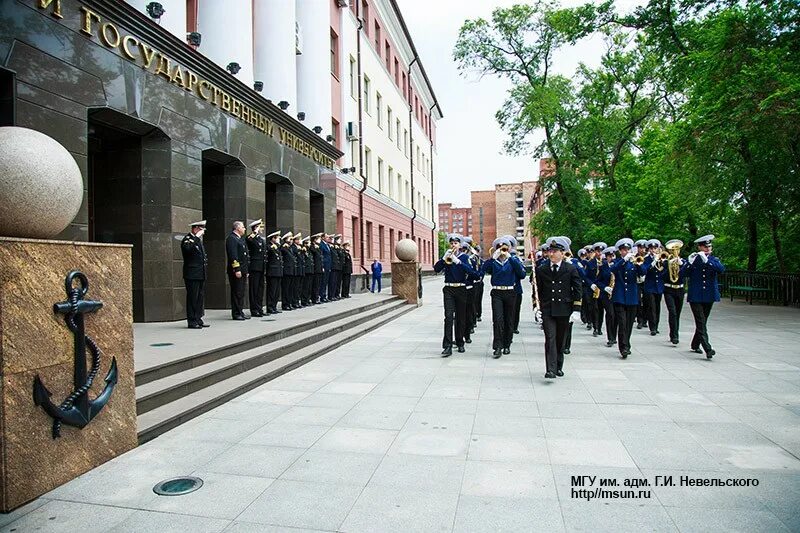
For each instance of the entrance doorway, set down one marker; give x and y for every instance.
(317, 210)
(279, 203)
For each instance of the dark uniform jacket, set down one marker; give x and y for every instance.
(316, 254)
(256, 247)
(703, 286)
(559, 293)
(288, 259)
(347, 263)
(336, 257)
(274, 261)
(195, 260)
(238, 260)
(308, 260)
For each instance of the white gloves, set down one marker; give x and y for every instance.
(594, 287)
(456, 260)
(575, 316)
(200, 233)
(609, 290)
(703, 256)
(537, 316)
(629, 257)
(497, 253)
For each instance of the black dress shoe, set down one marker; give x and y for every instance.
(588, 326)
(550, 375)
(566, 351)
(471, 330)
(674, 341)
(461, 349)
(639, 326)
(697, 350)
(497, 353)
(239, 318)
(447, 352)
(468, 341)
(710, 353)
(624, 354)
(653, 333)
(516, 332)
(559, 373)
(609, 344)
(506, 351)
(195, 326)
(478, 319)
(594, 334)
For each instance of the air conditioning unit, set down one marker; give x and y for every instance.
(352, 131)
(343, 3)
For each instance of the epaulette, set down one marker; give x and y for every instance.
(187, 238)
(235, 264)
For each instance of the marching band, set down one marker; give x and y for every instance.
(603, 286)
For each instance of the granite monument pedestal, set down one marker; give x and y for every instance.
(34, 340)
(405, 281)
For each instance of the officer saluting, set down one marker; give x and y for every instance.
(288, 272)
(274, 272)
(702, 271)
(256, 248)
(195, 263)
(347, 269)
(316, 281)
(559, 287)
(238, 268)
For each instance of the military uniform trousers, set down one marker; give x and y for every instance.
(517, 310)
(323, 285)
(478, 299)
(256, 292)
(673, 298)
(555, 331)
(195, 296)
(455, 311)
(297, 290)
(346, 285)
(503, 312)
(307, 282)
(470, 312)
(273, 292)
(625, 316)
(316, 287)
(286, 292)
(606, 307)
(237, 293)
(653, 310)
(701, 312)
(643, 310)
(334, 284)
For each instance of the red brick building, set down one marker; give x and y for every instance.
(455, 219)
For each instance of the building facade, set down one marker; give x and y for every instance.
(455, 219)
(167, 131)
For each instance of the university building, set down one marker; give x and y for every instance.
(225, 110)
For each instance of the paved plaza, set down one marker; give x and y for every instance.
(385, 435)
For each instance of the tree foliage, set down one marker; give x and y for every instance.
(689, 125)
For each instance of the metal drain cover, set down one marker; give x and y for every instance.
(178, 486)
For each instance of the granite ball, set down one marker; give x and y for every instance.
(406, 250)
(41, 188)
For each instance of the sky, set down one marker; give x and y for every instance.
(470, 142)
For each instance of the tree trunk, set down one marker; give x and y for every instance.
(752, 245)
(776, 242)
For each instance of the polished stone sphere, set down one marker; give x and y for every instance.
(41, 188)
(406, 250)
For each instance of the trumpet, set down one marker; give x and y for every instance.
(639, 259)
(567, 255)
(674, 267)
(504, 248)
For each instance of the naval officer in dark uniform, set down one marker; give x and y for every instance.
(347, 269)
(195, 266)
(274, 272)
(319, 269)
(626, 293)
(456, 269)
(505, 271)
(287, 304)
(238, 268)
(702, 271)
(559, 288)
(256, 248)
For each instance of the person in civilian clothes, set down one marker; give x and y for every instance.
(274, 272)
(605, 282)
(456, 269)
(256, 248)
(674, 291)
(504, 272)
(325, 249)
(316, 254)
(347, 269)
(195, 268)
(593, 265)
(238, 265)
(377, 273)
(702, 271)
(626, 293)
(559, 288)
(289, 265)
(654, 284)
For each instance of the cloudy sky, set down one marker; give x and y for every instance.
(470, 143)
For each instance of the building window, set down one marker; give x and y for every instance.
(396, 72)
(334, 54)
(388, 57)
(380, 174)
(397, 133)
(378, 38)
(379, 109)
(400, 188)
(353, 77)
(335, 132)
(365, 15)
(405, 142)
(369, 239)
(367, 86)
(380, 242)
(390, 179)
(403, 86)
(408, 193)
(367, 164)
(389, 122)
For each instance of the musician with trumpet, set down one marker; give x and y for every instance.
(469, 328)
(673, 287)
(457, 269)
(642, 312)
(626, 270)
(605, 284)
(593, 265)
(655, 263)
(702, 270)
(505, 271)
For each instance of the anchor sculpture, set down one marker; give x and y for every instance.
(77, 410)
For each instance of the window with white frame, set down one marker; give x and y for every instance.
(353, 75)
(379, 109)
(390, 181)
(380, 174)
(397, 129)
(367, 86)
(367, 164)
(389, 122)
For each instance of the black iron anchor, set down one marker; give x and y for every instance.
(77, 409)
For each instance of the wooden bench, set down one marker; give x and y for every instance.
(748, 291)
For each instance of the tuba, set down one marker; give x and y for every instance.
(674, 246)
(567, 255)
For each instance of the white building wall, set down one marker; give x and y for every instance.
(226, 27)
(174, 18)
(314, 64)
(275, 61)
(347, 41)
